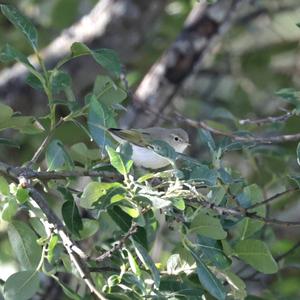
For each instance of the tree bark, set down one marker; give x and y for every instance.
(118, 24)
(204, 25)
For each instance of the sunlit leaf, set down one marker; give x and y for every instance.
(121, 161)
(94, 191)
(4, 187)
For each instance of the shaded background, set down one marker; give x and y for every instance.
(237, 78)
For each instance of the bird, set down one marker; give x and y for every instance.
(141, 139)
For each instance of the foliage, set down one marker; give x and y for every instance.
(218, 216)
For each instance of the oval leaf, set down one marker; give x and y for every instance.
(256, 254)
(22, 23)
(22, 285)
(23, 242)
(208, 226)
(93, 191)
(72, 217)
(100, 118)
(209, 281)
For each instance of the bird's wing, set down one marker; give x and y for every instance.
(132, 136)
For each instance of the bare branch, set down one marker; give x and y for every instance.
(241, 213)
(262, 140)
(272, 198)
(259, 122)
(44, 144)
(119, 244)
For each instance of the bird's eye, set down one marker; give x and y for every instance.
(176, 138)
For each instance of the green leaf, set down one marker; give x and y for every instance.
(34, 82)
(68, 291)
(25, 124)
(124, 222)
(216, 195)
(4, 187)
(22, 23)
(147, 261)
(108, 59)
(207, 138)
(9, 54)
(80, 152)
(122, 163)
(6, 112)
(171, 286)
(9, 143)
(247, 227)
(38, 226)
(213, 251)
(257, 255)
(129, 209)
(99, 119)
(208, 226)
(89, 228)
(23, 242)
(164, 149)
(133, 263)
(208, 280)
(72, 217)
(21, 285)
(57, 158)
(178, 203)
(237, 285)
(59, 81)
(78, 49)
(51, 247)
(9, 209)
(22, 195)
(94, 191)
(157, 202)
(195, 171)
(107, 92)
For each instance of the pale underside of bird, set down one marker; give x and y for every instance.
(140, 139)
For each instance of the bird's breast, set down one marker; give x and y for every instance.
(147, 158)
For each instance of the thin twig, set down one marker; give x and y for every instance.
(76, 255)
(290, 251)
(262, 140)
(262, 121)
(119, 245)
(242, 213)
(45, 143)
(272, 198)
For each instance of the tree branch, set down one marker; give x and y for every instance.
(203, 27)
(119, 244)
(262, 140)
(221, 210)
(272, 198)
